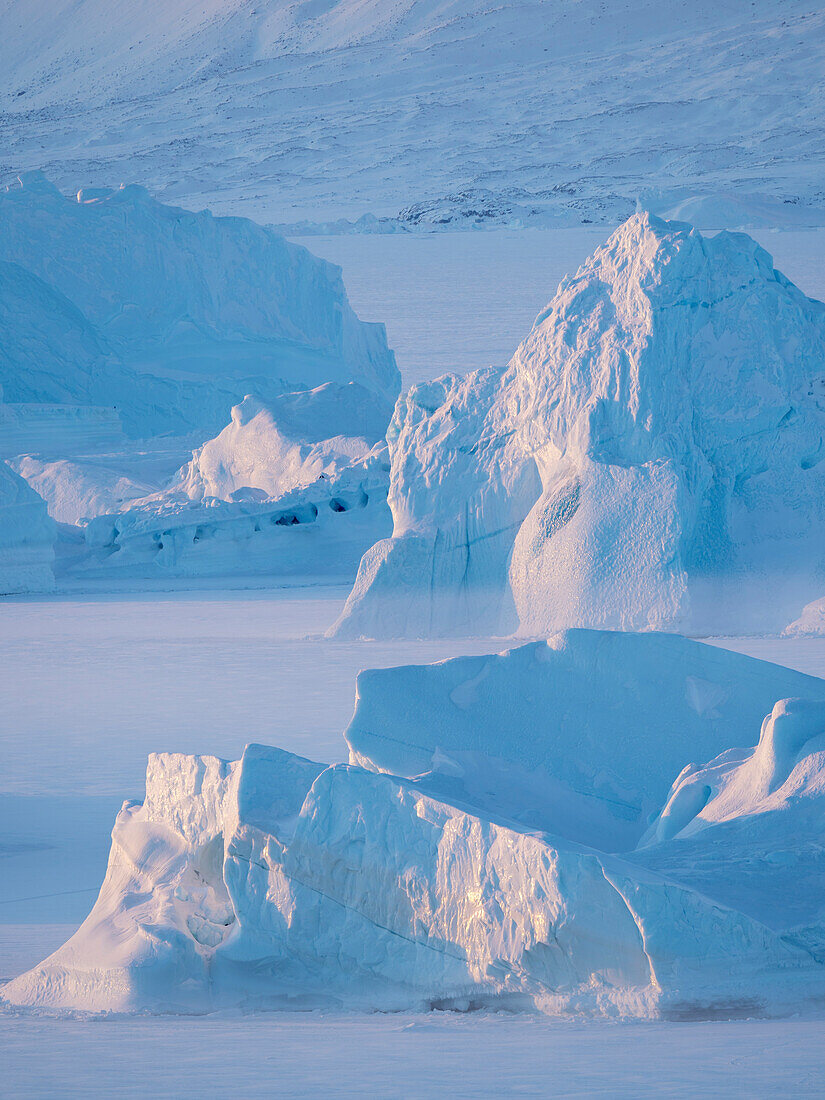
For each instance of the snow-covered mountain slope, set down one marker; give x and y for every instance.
(170, 317)
(27, 536)
(580, 735)
(274, 882)
(651, 457)
(459, 111)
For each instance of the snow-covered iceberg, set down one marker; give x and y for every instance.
(122, 318)
(27, 537)
(651, 457)
(320, 530)
(172, 317)
(811, 623)
(287, 443)
(276, 882)
(287, 488)
(747, 827)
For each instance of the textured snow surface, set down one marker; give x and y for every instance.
(405, 1056)
(27, 537)
(457, 113)
(614, 474)
(274, 882)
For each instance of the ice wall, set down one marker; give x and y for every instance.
(27, 536)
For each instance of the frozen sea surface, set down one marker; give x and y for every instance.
(407, 1058)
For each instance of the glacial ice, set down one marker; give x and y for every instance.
(170, 316)
(580, 735)
(123, 317)
(650, 458)
(27, 537)
(276, 882)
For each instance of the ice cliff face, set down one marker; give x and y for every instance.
(651, 456)
(27, 536)
(287, 443)
(274, 882)
(170, 316)
(122, 314)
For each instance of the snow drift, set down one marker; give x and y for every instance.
(275, 882)
(651, 457)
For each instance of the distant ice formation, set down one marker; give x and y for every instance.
(482, 875)
(652, 457)
(27, 537)
(125, 319)
(173, 317)
(811, 623)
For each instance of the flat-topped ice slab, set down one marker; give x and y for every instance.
(581, 735)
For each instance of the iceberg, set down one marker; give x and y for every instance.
(132, 332)
(746, 827)
(275, 882)
(650, 458)
(320, 530)
(287, 444)
(172, 317)
(580, 735)
(282, 489)
(27, 537)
